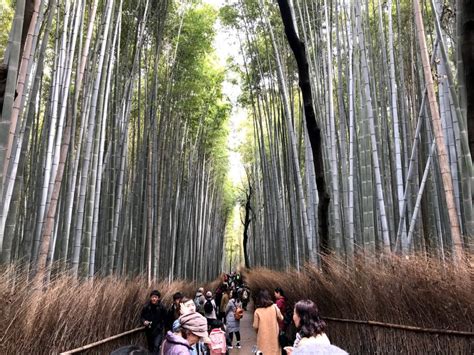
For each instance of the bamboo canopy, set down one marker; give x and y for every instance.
(116, 122)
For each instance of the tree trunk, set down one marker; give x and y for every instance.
(440, 140)
(314, 132)
(247, 221)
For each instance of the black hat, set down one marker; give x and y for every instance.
(155, 293)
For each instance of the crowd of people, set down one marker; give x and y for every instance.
(209, 323)
(204, 324)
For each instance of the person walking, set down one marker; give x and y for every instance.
(233, 314)
(153, 317)
(245, 296)
(217, 337)
(265, 322)
(218, 297)
(193, 328)
(173, 312)
(282, 305)
(199, 300)
(186, 306)
(223, 305)
(210, 309)
(311, 337)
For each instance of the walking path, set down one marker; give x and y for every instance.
(247, 333)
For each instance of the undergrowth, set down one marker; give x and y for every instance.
(71, 313)
(415, 291)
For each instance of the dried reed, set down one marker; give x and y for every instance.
(70, 313)
(416, 291)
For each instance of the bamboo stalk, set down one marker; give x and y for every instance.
(439, 136)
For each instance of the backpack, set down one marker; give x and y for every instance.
(239, 313)
(218, 342)
(208, 307)
(198, 304)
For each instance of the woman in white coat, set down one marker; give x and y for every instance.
(311, 337)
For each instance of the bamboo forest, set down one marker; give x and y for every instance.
(320, 146)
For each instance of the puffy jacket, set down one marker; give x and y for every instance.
(175, 345)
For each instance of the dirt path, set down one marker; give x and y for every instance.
(247, 333)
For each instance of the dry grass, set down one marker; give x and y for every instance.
(71, 314)
(417, 292)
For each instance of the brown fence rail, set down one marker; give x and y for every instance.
(403, 327)
(97, 343)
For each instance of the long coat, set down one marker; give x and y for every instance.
(224, 302)
(265, 322)
(233, 325)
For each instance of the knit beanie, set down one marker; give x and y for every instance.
(195, 323)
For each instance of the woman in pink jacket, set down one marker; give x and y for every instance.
(193, 327)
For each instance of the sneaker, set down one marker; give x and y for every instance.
(238, 346)
(230, 347)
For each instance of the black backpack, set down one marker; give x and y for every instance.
(208, 307)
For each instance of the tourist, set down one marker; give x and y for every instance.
(199, 300)
(153, 317)
(218, 297)
(284, 310)
(245, 296)
(173, 312)
(217, 337)
(210, 309)
(233, 314)
(223, 304)
(186, 305)
(265, 322)
(311, 337)
(193, 328)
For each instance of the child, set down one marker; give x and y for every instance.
(217, 336)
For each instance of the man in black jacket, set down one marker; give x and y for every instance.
(153, 317)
